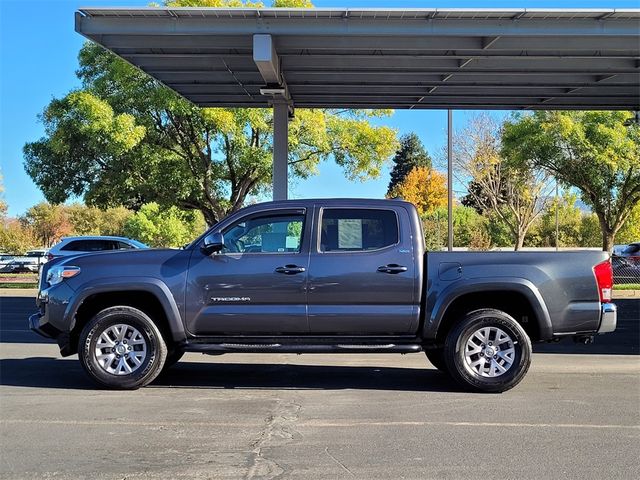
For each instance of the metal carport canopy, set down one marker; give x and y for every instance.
(381, 58)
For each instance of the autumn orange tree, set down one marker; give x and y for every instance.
(424, 187)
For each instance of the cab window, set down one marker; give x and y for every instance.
(265, 234)
(357, 230)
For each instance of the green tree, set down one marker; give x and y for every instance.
(630, 231)
(126, 139)
(469, 229)
(159, 227)
(411, 154)
(596, 152)
(516, 194)
(569, 223)
(94, 221)
(590, 232)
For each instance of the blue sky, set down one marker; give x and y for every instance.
(38, 48)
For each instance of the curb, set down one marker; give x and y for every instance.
(626, 294)
(18, 292)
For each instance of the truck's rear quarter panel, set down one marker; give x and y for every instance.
(563, 281)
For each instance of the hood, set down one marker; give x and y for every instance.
(119, 257)
(150, 263)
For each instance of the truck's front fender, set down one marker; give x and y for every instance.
(151, 285)
(444, 299)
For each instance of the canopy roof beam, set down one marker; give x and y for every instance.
(379, 58)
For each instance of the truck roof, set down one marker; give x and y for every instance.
(308, 202)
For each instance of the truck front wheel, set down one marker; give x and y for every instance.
(488, 351)
(121, 348)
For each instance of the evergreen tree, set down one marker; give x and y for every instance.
(410, 155)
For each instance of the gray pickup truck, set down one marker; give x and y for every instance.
(318, 276)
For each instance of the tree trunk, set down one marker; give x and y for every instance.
(519, 241)
(608, 238)
(608, 233)
(209, 216)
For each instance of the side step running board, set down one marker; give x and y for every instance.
(218, 348)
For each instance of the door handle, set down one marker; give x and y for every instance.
(290, 269)
(392, 268)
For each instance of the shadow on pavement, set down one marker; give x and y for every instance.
(322, 377)
(41, 372)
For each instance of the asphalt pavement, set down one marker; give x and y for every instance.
(576, 415)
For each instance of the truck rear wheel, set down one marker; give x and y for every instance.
(488, 351)
(121, 348)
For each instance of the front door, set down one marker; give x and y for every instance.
(257, 283)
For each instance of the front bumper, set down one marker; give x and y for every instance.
(39, 324)
(50, 321)
(608, 318)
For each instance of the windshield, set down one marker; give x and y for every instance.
(138, 244)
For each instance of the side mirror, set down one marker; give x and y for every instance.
(213, 242)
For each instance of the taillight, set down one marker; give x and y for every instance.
(604, 278)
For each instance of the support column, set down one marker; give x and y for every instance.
(280, 150)
(449, 180)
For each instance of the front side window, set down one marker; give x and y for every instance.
(268, 234)
(352, 230)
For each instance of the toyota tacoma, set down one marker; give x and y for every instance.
(321, 276)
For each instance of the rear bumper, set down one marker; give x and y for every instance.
(608, 318)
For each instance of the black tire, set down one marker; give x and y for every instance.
(471, 377)
(436, 357)
(148, 336)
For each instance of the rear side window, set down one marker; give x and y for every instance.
(357, 230)
(124, 246)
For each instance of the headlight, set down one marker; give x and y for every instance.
(58, 273)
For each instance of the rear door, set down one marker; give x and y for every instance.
(361, 272)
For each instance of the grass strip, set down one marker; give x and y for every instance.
(18, 285)
(626, 286)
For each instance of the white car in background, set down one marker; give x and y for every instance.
(30, 262)
(24, 264)
(75, 245)
(39, 254)
(5, 260)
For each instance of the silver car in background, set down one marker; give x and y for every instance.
(86, 244)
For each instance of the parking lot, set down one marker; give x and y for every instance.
(576, 415)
